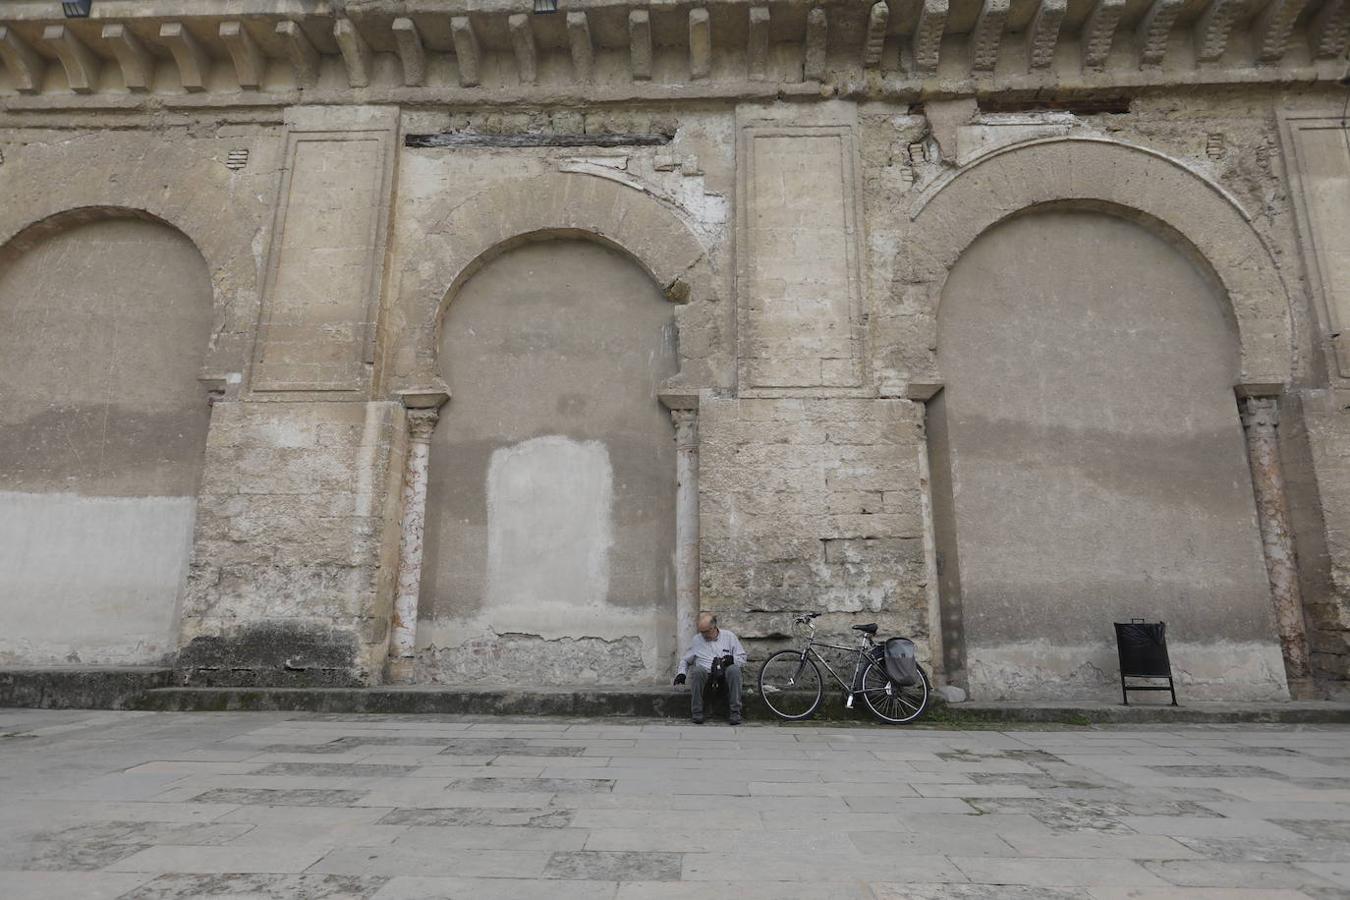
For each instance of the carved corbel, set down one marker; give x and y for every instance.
(757, 44)
(138, 67)
(24, 64)
(579, 40)
(304, 58)
(878, 17)
(1212, 29)
(1044, 33)
(988, 35)
(523, 43)
(640, 44)
(927, 40)
(1330, 29)
(817, 34)
(193, 62)
(356, 53)
(466, 50)
(700, 43)
(80, 64)
(411, 52)
(1273, 28)
(249, 64)
(1155, 29)
(1099, 32)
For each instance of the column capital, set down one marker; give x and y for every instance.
(686, 428)
(421, 423)
(1260, 412)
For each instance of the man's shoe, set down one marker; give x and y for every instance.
(697, 720)
(735, 719)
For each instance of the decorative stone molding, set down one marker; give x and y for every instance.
(80, 63)
(476, 230)
(926, 41)
(350, 36)
(988, 35)
(1139, 184)
(138, 68)
(1260, 419)
(423, 411)
(23, 62)
(216, 215)
(1099, 32)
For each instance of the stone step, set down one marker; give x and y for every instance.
(146, 688)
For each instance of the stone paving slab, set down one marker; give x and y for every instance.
(165, 806)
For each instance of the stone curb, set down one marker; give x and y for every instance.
(149, 689)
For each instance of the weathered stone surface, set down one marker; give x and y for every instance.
(801, 185)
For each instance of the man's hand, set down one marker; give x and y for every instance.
(728, 661)
(679, 679)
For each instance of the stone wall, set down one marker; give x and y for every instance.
(812, 505)
(296, 543)
(795, 186)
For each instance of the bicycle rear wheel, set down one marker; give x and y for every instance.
(891, 702)
(790, 683)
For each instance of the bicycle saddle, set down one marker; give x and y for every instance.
(869, 628)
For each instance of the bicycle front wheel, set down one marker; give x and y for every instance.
(891, 702)
(790, 683)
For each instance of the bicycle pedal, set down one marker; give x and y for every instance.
(848, 701)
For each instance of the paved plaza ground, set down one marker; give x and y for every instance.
(279, 805)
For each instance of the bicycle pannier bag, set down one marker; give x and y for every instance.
(901, 664)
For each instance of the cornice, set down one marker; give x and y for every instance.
(248, 53)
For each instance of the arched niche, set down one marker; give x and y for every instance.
(454, 242)
(104, 323)
(1197, 215)
(1089, 464)
(550, 521)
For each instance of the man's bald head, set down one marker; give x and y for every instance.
(707, 625)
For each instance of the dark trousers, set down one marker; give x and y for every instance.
(698, 680)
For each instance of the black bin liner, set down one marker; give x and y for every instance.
(901, 663)
(1143, 649)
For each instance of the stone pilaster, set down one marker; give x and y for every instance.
(1260, 419)
(686, 522)
(423, 412)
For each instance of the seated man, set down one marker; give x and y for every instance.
(712, 644)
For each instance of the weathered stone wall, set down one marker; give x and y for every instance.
(812, 505)
(785, 178)
(550, 511)
(103, 329)
(296, 543)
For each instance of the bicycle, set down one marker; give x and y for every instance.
(791, 686)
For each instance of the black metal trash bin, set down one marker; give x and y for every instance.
(1142, 647)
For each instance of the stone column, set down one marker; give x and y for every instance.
(1260, 418)
(686, 522)
(423, 411)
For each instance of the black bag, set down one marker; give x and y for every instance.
(901, 664)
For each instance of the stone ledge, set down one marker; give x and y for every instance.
(79, 687)
(147, 688)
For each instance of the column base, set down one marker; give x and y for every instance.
(1304, 689)
(399, 670)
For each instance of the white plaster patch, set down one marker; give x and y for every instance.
(550, 524)
(1037, 670)
(91, 579)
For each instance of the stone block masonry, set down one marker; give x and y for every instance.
(296, 539)
(812, 505)
(743, 307)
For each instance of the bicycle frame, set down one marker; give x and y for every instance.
(862, 659)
